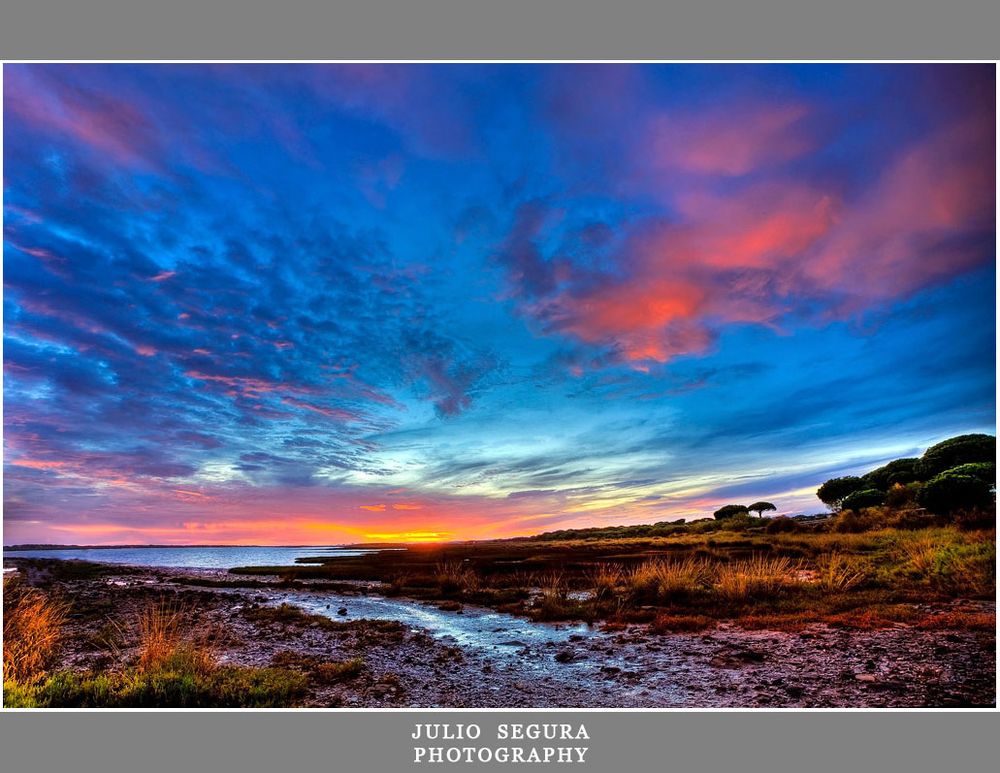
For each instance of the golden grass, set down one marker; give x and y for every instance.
(840, 572)
(553, 586)
(920, 552)
(159, 635)
(159, 632)
(33, 631)
(606, 580)
(663, 580)
(455, 576)
(759, 576)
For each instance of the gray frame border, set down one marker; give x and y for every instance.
(487, 29)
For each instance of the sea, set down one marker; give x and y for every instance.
(196, 557)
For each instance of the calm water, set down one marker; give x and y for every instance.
(192, 557)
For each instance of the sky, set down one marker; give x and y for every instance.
(316, 304)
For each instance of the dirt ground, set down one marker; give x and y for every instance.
(406, 665)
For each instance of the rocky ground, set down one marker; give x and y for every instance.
(523, 664)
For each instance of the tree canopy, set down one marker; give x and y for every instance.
(947, 493)
(955, 474)
(760, 508)
(984, 471)
(859, 500)
(901, 471)
(730, 511)
(964, 449)
(832, 492)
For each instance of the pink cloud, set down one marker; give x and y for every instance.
(732, 141)
(113, 127)
(330, 413)
(906, 231)
(750, 251)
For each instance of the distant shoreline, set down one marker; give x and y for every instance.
(33, 546)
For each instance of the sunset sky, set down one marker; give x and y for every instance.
(340, 303)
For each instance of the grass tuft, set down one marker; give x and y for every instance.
(33, 631)
(664, 581)
(756, 577)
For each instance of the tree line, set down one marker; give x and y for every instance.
(956, 474)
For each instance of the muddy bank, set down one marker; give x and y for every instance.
(418, 655)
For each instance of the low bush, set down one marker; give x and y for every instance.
(948, 492)
(782, 525)
(182, 680)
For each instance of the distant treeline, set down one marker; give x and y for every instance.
(954, 475)
(659, 529)
(958, 474)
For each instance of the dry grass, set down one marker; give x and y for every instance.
(920, 552)
(454, 576)
(159, 633)
(681, 623)
(553, 586)
(33, 631)
(553, 599)
(606, 580)
(338, 671)
(759, 576)
(839, 572)
(663, 580)
(959, 621)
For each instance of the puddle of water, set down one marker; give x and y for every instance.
(474, 627)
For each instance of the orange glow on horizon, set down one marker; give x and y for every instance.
(410, 536)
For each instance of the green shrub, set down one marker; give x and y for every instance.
(947, 493)
(859, 500)
(739, 522)
(18, 695)
(900, 495)
(968, 569)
